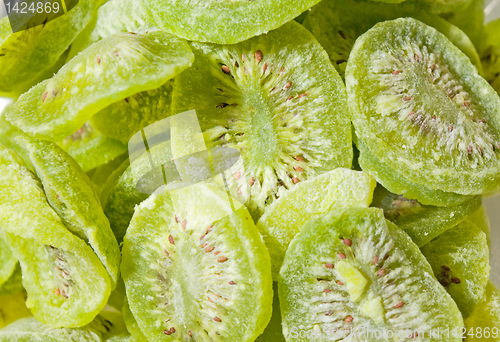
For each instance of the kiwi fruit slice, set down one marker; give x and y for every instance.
(490, 54)
(485, 317)
(70, 193)
(113, 17)
(460, 260)
(224, 22)
(106, 325)
(91, 149)
(15, 282)
(277, 100)
(13, 308)
(422, 222)
(442, 6)
(66, 283)
(352, 269)
(108, 71)
(27, 54)
(201, 262)
(470, 20)
(102, 173)
(340, 188)
(274, 330)
(441, 134)
(131, 323)
(481, 220)
(7, 135)
(337, 25)
(8, 261)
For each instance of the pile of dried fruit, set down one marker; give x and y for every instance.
(338, 151)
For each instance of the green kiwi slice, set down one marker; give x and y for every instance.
(70, 193)
(460, 260)
(337, 25)
(222, 22)
(276, 99)
(201, 263)
(27, 54)
(8, 261)
(421, 108)
(442, 6)
(104, 326)
(481, 220)
(484, 323)
(422, 222)
(91, 149)
(65, 281)
(351, 271)
(108, 71)
(131, 323)
(490, 54)
(340, 188)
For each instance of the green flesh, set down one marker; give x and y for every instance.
(398, 184)
(108, 71)
(216, 297)
(104, 326)
(102, 174)
(13, 308)
(490, 54)
(131, 324)
(273, 331)
(340, 188)
(52, 259)
(113, 17)
(486, 317)
(14, 284)
(422, 222)
(403, 296)
(464, 250)
(90, 148)
(286, 116)
(481, 220)
(441, 6)
(470, 20)
(224, 22)
(70, 193)
(401, 110)
(337, 25)
(26, 55)
(7, 135)
(8, 261)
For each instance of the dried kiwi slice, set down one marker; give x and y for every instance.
(490, 54)
(131, 324)
(8, 261)
(485, 317)
(224, 22)
(108, 71)
(201, 263)
(422, 222)
(352, 270)
(70, 193)
(277, 99)
(337, 25)
(66, 283)
(441, 6)
(421, 108)
(90, 148)
(460, 260)
(104, 326)
(26, 55)
(340, 188)
(481, 220)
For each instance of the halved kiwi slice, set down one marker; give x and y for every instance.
(351, 270)
(337, 25)
(66, 282)
(104, 326)
(460, 259)
(27, 54)
(421, 108)
(202, 265)
(422, 222)
(490, 54)
(224, 22)
(276, 99)
(108, 71)
(340, 188)
(484, 323)
(70, 193)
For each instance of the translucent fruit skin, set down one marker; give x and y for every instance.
(224, 22)
(70, 193)
(65, 281)
(486, 316)
(340, 188)
(422, 222)
(186, 284)
(398, 280)
(461, 253)
(108, 71)
(276, 99)
(388, 120)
